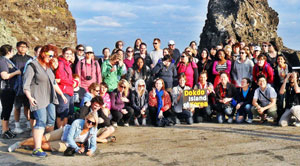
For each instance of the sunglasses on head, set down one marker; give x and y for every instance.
(90, 122)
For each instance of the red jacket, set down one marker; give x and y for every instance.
(64, 74)
(267, 70)
(166, 101)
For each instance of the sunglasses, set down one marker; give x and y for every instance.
(141, 85)
(96, 90)
(242, 53)
(50, 55)
(90, 122)
(80, 49)
(265, 45)
(182, 56)
(155, 43)
(130, 51)
(122, 87)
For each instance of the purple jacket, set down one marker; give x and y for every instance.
(116, 101)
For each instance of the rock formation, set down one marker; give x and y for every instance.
(245, 20)
(37, 22)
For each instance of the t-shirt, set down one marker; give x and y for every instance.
(5, 66)
(156, 55)
(269, 92)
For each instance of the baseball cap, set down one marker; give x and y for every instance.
(257, 48)
(171, 42)
(88, 49)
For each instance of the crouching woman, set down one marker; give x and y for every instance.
(80, 137)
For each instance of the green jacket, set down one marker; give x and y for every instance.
(111, 78)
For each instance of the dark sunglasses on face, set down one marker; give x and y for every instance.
(130, 51)
(155, 43)
(122, 87)
(80, 49)
(182, 56)
(96, 90)
(90, 122)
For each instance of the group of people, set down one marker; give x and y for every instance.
(85, 98)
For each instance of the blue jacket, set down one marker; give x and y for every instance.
(75, 130)
(87, 97)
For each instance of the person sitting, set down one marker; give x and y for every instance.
(205, 112)
(119, 109)
(105, 128)
(139, 71)
(139, 99)
(243, 101)
(264, 100)
(82, 132)
(181, 111)
(94, 90)
(225, 92)
(159, 103)
(292, 101)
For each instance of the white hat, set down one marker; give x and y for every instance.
(88, 49)
(171, 42)
(257, 48)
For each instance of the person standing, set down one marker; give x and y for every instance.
(174, 52)
(20, 60)
(64, 75)
(157, 53)
(88, 69)
(79, 55)
(8, 71)
(106, 55)
(40, 88)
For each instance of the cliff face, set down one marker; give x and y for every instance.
(245, 20)
(37, 22)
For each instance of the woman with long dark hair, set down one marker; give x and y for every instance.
(8, 72)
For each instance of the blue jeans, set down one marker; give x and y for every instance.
(64, 109)
(243, 111)
(45, 117)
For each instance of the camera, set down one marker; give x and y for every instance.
(88, 77)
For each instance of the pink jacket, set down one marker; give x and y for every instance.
(188, 71)
(93, 70)
(64, 74)
(106, 99)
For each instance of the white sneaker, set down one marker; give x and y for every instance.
(144, 123)
(126, 125)
(230, 120)
(18, 130)
(115, 124)
(136, 122)
(14, 146)
(297, 124)
(249, 121)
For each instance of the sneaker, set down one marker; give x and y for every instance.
(144, 122)
(249, 121)
(39, 153)
(297, 124)
(136, 122)
(13, 135)
(14, 146)
(6, 135)
(115, 124)
(230, 120)
(126, 124)
(18, 130)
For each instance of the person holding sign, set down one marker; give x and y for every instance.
(159, 103)
(225, 91)
(177, 95)
(204, 112)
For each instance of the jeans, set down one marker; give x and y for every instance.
(243, 111)
(64, 109)
(223, 110)
(201, 113)
(45, 117)
(185, 114)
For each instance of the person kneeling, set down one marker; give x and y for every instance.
(105, 128)
(80, 137)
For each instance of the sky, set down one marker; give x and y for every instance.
(100, 23)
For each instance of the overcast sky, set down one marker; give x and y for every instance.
(100, 23)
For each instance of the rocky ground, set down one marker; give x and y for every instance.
(198, 144)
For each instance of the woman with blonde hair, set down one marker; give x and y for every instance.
(120, 108)
(139, 100)
(69, 138)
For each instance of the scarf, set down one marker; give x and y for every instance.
(159, 95)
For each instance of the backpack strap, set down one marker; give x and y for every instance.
(35, 71)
